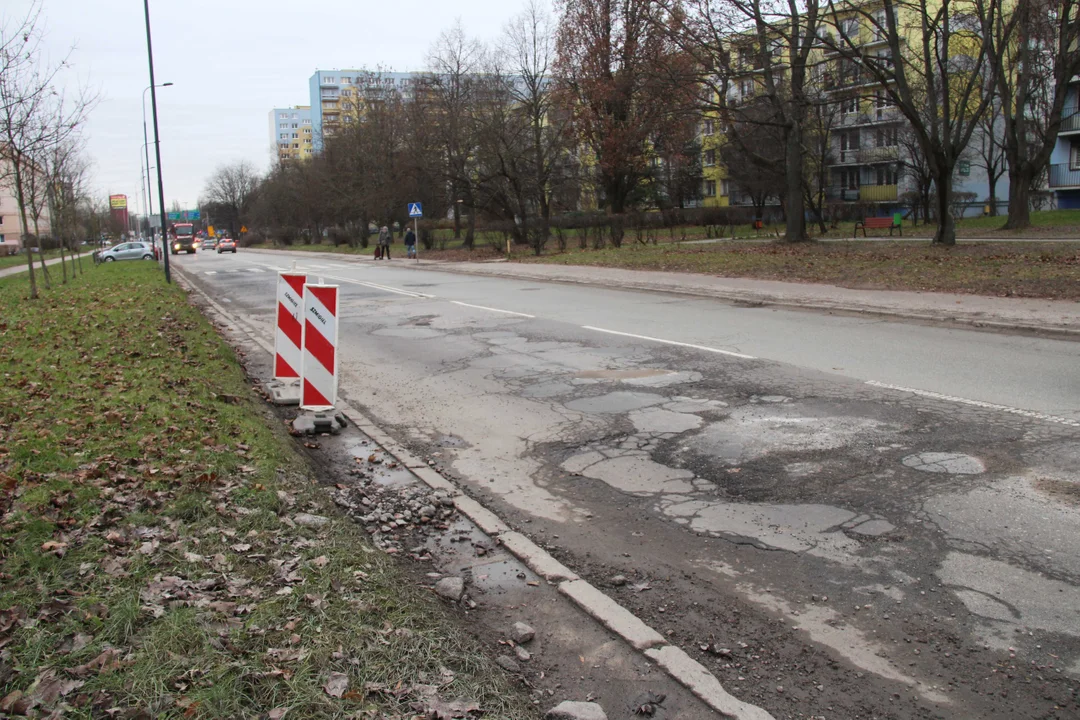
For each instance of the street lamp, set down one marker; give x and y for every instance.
(146, 144)
(157, 138)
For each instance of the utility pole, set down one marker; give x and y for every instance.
(157, 143)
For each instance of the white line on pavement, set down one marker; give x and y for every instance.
(978, 403)
(481, 307)
(672, 342)
(254, 269)
(376, 286)
(210, 272)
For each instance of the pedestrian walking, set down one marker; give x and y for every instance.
(384, 241)
(410, 243)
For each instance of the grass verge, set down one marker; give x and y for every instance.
(154, 559)
(19, 260)
(1038, 270)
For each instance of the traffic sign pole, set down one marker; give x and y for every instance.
(416, 211)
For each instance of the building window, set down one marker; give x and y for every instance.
(886, 136)
(710, 158)
(1074, 164)
(849, 178)
(283, 115)
(708, 128)
(746, 88)
(881, 25)
(886, 175)
(710, 188)
(849, 29)
(295, 135)
(850, 105)
(328, 80)
(284, 126)
(283, 136)
(296, 146)
(725, 188)
(346, 80)
(307, 122)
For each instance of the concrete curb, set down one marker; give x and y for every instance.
(602, 608)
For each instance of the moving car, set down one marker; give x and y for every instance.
(226, 245)
(127, 251)
(207, 244)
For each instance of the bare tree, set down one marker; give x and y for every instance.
(229, 192)
(1037, 61)
(34, 115)
(936, 62)
(455, 61)
(989, 149)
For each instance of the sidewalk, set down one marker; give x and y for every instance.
(37, 265)
(1059, 316)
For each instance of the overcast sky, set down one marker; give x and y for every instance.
(231, 62)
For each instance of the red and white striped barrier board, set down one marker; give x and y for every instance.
(318, 362)
(289, 335)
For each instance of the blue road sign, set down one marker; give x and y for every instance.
(415, 210)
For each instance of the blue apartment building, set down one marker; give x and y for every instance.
(1065, 159)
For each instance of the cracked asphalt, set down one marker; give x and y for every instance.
(826, 545)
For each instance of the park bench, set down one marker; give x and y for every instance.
(877, 223)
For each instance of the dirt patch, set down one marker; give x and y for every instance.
(1061, 490)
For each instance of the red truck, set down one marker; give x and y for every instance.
(182, 238)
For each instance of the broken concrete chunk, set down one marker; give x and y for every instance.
(508, 663)
(569, 710)
(309, 520)
(522, 633)
(451, 588)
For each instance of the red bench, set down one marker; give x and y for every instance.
(876, 223)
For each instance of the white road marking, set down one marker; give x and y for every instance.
(376, 286)
(254, 269)
(978, 403)
(210, 272)
(672, 342)
(225, 300)
(481, 307)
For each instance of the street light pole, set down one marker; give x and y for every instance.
(146, 146)
(157, 140)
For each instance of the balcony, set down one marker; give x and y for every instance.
(872, 155)
(878, 193)
(874, 117)
(1070, 121)
(1065, 176)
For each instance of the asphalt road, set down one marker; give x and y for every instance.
(828, 544)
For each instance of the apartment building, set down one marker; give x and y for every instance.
(337, 96)
(1065, 159)
(869, 153)
(12, 233)
(291, 132)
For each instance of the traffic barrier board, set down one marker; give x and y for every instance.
(288, 338)
(318, 361)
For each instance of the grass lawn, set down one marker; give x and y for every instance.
(149, 566)
(1028, 269)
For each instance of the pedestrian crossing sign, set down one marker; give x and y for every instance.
(415, 210)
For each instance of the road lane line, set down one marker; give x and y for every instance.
(482, 307)
(210, 272)
(978, 403)
(376, 286)
(706, 348)
(254, 269)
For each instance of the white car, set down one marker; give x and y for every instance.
(128, 251)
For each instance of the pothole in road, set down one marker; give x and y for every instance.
(1066, 491)
(615, 402)
(410, 333)
(945, 462)
(645, 377)
(753, 432)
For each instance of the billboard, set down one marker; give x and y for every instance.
(118, 212)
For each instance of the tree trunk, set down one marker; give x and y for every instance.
(992, 187)
(1019, 197)
(457, 218)
(794, 207)
(63, 262)
(946, 227)
(44, 269)
(470, 232)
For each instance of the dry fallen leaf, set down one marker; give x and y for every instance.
(336, 684)
(321, 561)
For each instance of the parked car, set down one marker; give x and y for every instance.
(226, 245)
(127, 251)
